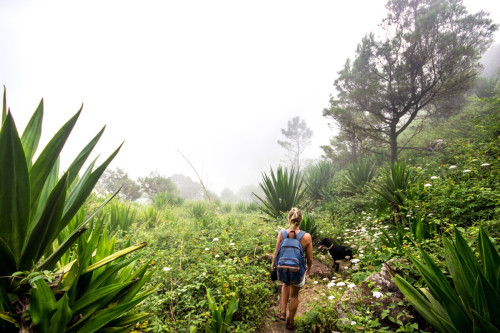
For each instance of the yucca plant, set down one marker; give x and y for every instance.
(37, 208)
(318, 179)
(419, 230)
(471, 302)
(309, 225)
(397, 186)
(120, 216)
(282, 191)
(358, 174)
(166, 198)
(220, 320)
(151, 217)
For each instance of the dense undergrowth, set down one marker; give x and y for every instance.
(206, 265)
(386, 215)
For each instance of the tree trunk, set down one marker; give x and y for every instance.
(393, 138)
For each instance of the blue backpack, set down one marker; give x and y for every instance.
(290, 259)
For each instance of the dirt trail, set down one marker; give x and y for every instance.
(306, 298)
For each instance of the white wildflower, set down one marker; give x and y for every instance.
(232, 244)
(207, 249)
(331, 284)
(315, 282)
(216, 256)
(354, 261)
(485, 164)
(353, 322)
(377, 294)
(331, 297)
(466, 170)
(427, 185)
(166, 269)
(216, 239)
(434, 177)
(453, 166)
(340, 284)
(351, 285)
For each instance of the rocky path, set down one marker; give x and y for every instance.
(306, 298)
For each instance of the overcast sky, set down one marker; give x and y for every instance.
(216, 80)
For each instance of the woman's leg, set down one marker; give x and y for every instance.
(285, 292)
(294, 302)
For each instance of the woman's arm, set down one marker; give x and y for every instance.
(309, 252)
(278, 242)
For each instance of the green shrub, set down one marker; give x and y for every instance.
(309, 225)
(119, 216)
(163, 199)
(282, 191)
(317, 180)
(471, 302)
(358, 174)
(40, 232)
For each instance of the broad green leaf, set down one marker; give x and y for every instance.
(443, 292)
(52, 260)
(465, 252)
(61, 317)
(83, 189)
(110, 270)
(77, 164)
(8, 261)
(127, 320)
(45, 229)
(9, 318)
(103, 317)
(482, 325)
(436, 307)
(14, 191)
(43, 305)
(463, 279)
(490, 259)
(114, 256)
(480, 305)
(70, 276)
(51, 181)
(50, 154)
(418, 301)
(491, 298)
(97, 296)
(32, 133)
(140, 281)
(231, 309)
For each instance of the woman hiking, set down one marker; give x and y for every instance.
(290, 291)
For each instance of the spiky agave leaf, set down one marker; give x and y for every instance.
(282, 191)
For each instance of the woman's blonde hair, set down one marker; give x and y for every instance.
(295, 216)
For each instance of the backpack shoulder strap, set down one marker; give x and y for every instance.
(300, 235)
(284, 234)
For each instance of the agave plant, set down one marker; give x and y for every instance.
(309, 225)
(397, 187)
(318, 179)
(282, 191)
(359, 174)
(120, 216)
(220, 319)
(471, 302)
(51, 278)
